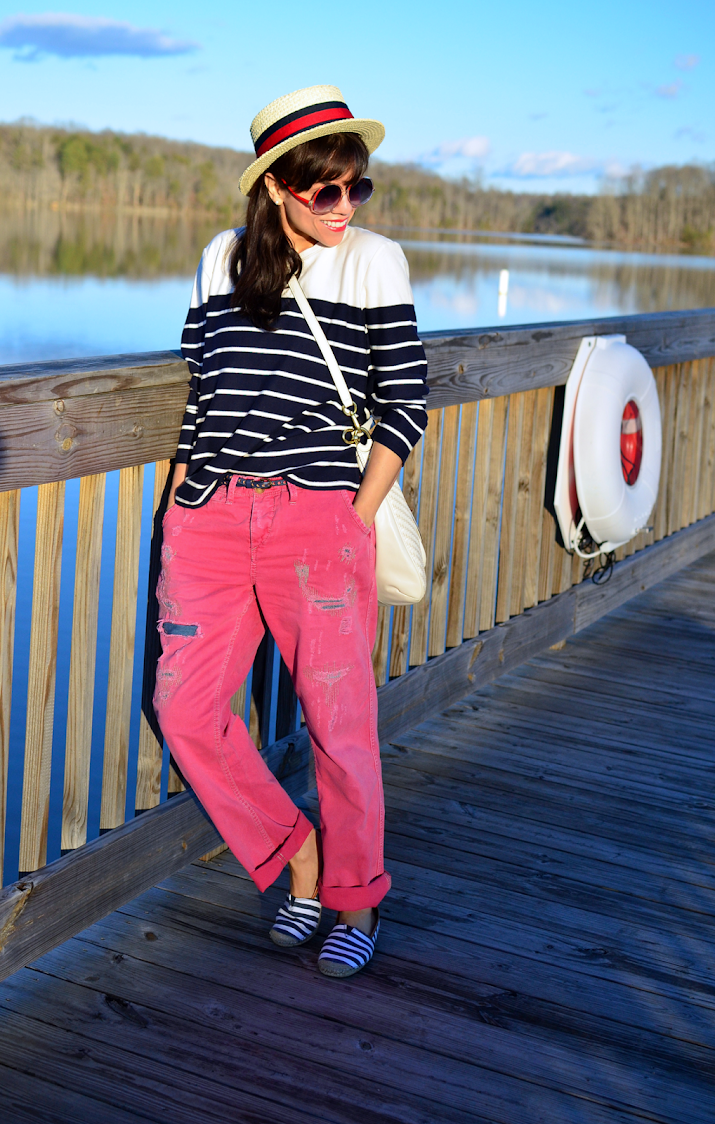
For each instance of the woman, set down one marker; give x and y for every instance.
(269, 519)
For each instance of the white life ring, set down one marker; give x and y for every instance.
(609, 461)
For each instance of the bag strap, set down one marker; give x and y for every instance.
(348, 406)
(321, 339)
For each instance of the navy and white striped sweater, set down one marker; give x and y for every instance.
(264, 403)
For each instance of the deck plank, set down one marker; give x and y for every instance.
(303, 1026)
(546, 956)
(610, 959)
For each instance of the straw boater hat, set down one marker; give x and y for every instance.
(299, 117)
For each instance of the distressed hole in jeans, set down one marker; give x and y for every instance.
(169, 607)
(175, 637)
(328, 676)
(167, 680)
(174, 628)
(314, 597)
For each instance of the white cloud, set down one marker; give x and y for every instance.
(537, 164)
(687, 62)
(614, 169)
(469, 148)
(670, 90)
(70, 36)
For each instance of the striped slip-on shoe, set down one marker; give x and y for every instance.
(346, 950)
(296, 921)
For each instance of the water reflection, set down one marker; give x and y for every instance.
(101, 243)
(93, 282)
(549, 283)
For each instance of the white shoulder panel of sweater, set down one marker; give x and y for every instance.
(366, 270)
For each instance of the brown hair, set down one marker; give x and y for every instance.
(263, 259)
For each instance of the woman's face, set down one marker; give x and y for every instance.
(300, 224)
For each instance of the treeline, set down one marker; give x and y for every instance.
(669, 208)
(58, 167)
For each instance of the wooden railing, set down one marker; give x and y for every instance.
(501, 586)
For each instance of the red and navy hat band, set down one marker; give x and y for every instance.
(299, 122)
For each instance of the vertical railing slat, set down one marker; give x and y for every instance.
(287, 705)
(487, 578)
(401, 614)
(462, 508)
(9, 533)
(507, 530)
(443, 532)
(690, 422)
(380, 651)
(428, 509)
(175, 784)
(699, 439)
(121, 648)
(41, 676)
(708, 491)
(660, 517)
(577, 567)
(151, 747)
(238, 701)
(672, 430)
(484, 525)
(525, 477)
(561, 570)
(78, 743)
(547, 555)
(515, 509)
(485, 419)
(542, 430)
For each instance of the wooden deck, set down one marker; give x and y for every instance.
(547, 952)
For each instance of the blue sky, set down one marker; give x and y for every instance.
(544, 96)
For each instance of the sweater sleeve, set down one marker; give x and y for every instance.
(398, 367)
(192, 349)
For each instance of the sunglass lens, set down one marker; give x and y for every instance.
(360, 192)
(326, 199)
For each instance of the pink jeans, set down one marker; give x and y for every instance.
(308, 560)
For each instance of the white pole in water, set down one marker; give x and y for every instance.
(503, 291)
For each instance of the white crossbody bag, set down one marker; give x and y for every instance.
(401, 560)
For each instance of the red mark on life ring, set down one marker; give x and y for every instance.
(631, 442)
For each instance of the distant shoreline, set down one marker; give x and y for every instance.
(669, 209)
(29, 214)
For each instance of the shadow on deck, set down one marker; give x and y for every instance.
(547, 950)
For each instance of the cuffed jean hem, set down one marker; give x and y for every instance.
(355, 897)
(266, 874)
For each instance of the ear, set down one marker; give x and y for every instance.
(274, 189)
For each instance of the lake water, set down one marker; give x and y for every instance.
(90, 285)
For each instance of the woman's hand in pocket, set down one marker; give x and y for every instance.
(176, 481)
(364, 510)
(382, 470)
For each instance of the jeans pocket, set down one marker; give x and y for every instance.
(348, 499)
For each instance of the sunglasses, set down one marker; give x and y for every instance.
(327, 198)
